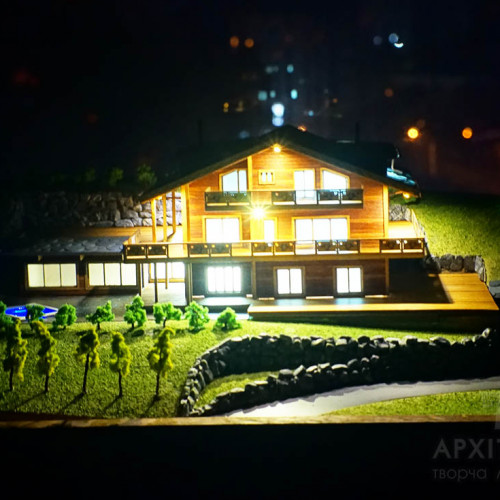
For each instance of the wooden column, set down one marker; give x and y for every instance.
(186, 226)
(153, 217)
(387, 276)
(156, 282)
(253, 279)
(164, 205)
(174, 214)
(188, 282)
(386, 211)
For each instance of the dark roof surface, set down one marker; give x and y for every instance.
(369, 159)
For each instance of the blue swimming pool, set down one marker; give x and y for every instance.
(20, 312)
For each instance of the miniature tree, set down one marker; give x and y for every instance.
(115, 176)
(5, 321)
(120, 358)
(135, 312)
(86, 353)
(47, 356)
(34, 312)
(197, 315)
(15, 353)
(65, 316)
(165, 312)
(160, 355)
(145, 176)
(102, 313)
(227, 320)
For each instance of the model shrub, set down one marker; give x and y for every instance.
(86, 353)
(115, 176)
(15, 353)
(165, 312)
(135, 313)
(65, 316)
(145, 176)
(197, 316)
(227, 320)
(120, 359)
(34, 312)
(5, 321)
(102, 313)
(47, 356)
(160, 356)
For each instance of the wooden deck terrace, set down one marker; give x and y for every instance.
(468, 306)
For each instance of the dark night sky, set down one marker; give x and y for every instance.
(114, 83)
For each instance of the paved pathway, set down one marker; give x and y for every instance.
(318, 404)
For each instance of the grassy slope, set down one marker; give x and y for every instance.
(463, 224)
(454, 403)
(139, 386)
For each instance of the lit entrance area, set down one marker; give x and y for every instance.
(170, 282)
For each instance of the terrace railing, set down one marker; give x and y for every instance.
(200, 250)
(231, 200)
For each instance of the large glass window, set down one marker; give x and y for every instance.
(331, 180)
(321, 229)
(304, 186)
(112, 274)
(235, 181)
(224, 230)
(51, 275)
(348, 279)
(289, 281)
(224, 279)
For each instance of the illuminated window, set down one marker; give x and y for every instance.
(224, 279)
(269, 230)
(112, 274)
(331, 180)
(235, 181)
(289, 281)
(321, 229)
(348, 279)
(223, 230)
(304, 186)
(51, 275)
(266, 177)
(176, 270)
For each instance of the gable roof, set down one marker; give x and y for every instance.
(368, 159)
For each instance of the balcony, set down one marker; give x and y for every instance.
(231, 200)
(414, 247)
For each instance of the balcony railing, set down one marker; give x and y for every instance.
(228, 200)
(192, 250)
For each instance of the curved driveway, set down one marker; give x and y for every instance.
(317, 404)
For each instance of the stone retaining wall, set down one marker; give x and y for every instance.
(314, 365)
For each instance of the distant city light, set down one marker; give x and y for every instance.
(278, 109)
(377, 40)
(249, 43)
(467, 133)
(393, 38)
(262, 95)
(271, 69)
(399, 45)
(413, 133)
(272, 94)
(294, 94)
(234, 41)
(388, 92)
(244, 134)
(310, 113)
(278, 121)
(302, 128)
(290, 68)
(226, 107)
(335, 100)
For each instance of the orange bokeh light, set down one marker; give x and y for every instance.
(413, 133)
(234, 41)
(388, 92)
(467, 133)
(249, 43)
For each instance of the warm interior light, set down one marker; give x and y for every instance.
(467, 133)
(277, 148)
(406, 196)
(258, 213)
(413, 133)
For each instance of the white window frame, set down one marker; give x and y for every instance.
(43, 267)
(266, 177)
(224, 280)
(105, 283)
(238, 172)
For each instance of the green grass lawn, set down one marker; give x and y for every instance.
(462, 224)
(453, 403)
(101, 401)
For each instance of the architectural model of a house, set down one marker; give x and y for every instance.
(285, 215)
